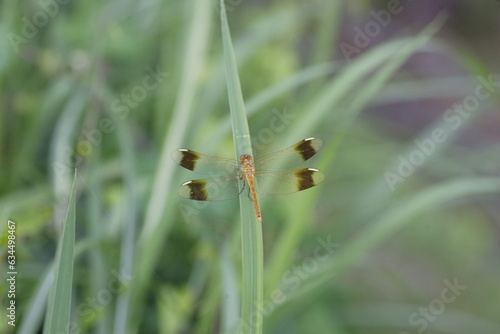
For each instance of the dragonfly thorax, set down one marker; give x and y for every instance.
(247, 166)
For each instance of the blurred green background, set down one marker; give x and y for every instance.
(402, 237)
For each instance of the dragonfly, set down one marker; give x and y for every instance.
(264, 175)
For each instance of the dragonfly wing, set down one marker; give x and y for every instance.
(204, 164)
(290, 156)
(214, 189)
(288, 181)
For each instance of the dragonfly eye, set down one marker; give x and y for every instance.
(245, 159)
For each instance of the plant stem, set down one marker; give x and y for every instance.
(251, 229)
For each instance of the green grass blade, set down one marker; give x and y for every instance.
(65, 134)
(239, 121)
(230, 304)
(159, 204)
(96, 256)
(251, 229)
(33, 316)
(128, 241)
(329, 23)
(59, 310)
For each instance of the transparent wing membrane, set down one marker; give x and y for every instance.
(204, 164)
(291, 156)
(287, 181)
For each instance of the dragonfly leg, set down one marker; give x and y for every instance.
(244, 186)
(245, 189)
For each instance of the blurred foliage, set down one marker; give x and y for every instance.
(113, 87)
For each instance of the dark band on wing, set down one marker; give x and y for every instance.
(189, 159)
(305, 178)
(305, 149)
(197, 190)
